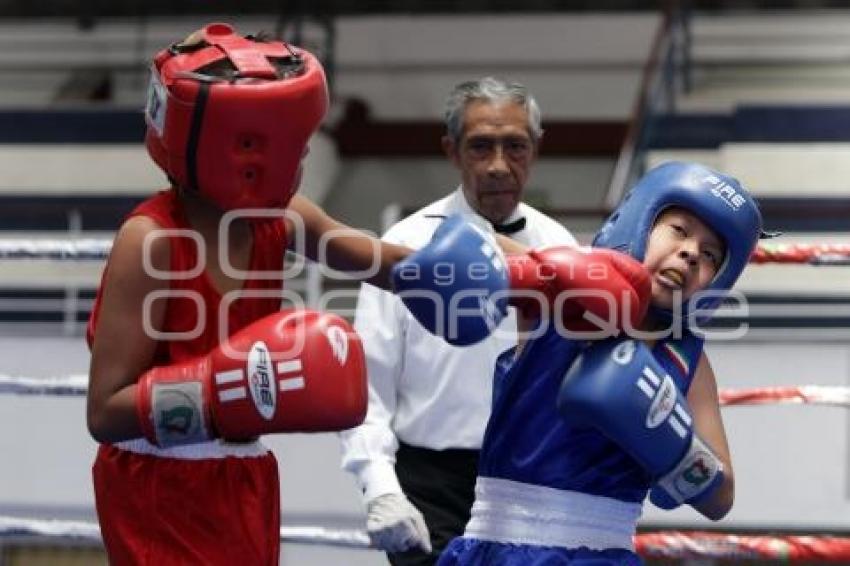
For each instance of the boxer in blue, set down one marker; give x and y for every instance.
(581, 431)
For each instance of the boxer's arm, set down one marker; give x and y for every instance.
(705, 407)
(510, 246)
(351, 250)
(122, 350)
(343, 248)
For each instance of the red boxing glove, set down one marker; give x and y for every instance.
(292, 371)
(531, 284)
(606, 283)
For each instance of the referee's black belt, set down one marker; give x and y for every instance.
(458, 460)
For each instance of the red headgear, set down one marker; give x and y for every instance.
(237, 139)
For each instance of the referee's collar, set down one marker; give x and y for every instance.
(516, 219)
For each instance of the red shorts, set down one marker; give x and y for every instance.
(162, 511)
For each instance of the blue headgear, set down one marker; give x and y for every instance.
(718, 200)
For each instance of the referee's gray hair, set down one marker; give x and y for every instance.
(494, 91)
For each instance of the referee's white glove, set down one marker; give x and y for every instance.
(395, 525)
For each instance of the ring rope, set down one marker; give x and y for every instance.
(785, 548)
(836, 395)
(672, 544)
(78, 250)
(804, 394)
(71, 385)
(816, 254)
(98, 249)
(90, 532)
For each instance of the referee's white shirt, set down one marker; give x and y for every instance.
(423, 391)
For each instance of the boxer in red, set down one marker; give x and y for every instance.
(192, 358)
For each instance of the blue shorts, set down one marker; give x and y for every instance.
(468, 551)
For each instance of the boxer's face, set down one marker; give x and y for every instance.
(682, 256)
(494, 156)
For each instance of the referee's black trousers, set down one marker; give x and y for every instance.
(441, 484)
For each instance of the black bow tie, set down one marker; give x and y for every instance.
(510, 227)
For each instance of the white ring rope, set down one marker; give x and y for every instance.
(321, 535)
(79, 530)
(80, 250)
(74, 385)
(90, 532)
(98, 249)
(835, 395)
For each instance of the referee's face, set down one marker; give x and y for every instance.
(494, 156)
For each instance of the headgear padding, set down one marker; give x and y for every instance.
(716, 199)
(237, 138)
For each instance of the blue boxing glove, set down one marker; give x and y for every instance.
(457, 285)
(620, 388)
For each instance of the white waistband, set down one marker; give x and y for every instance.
(202, 451)
(519, 513)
